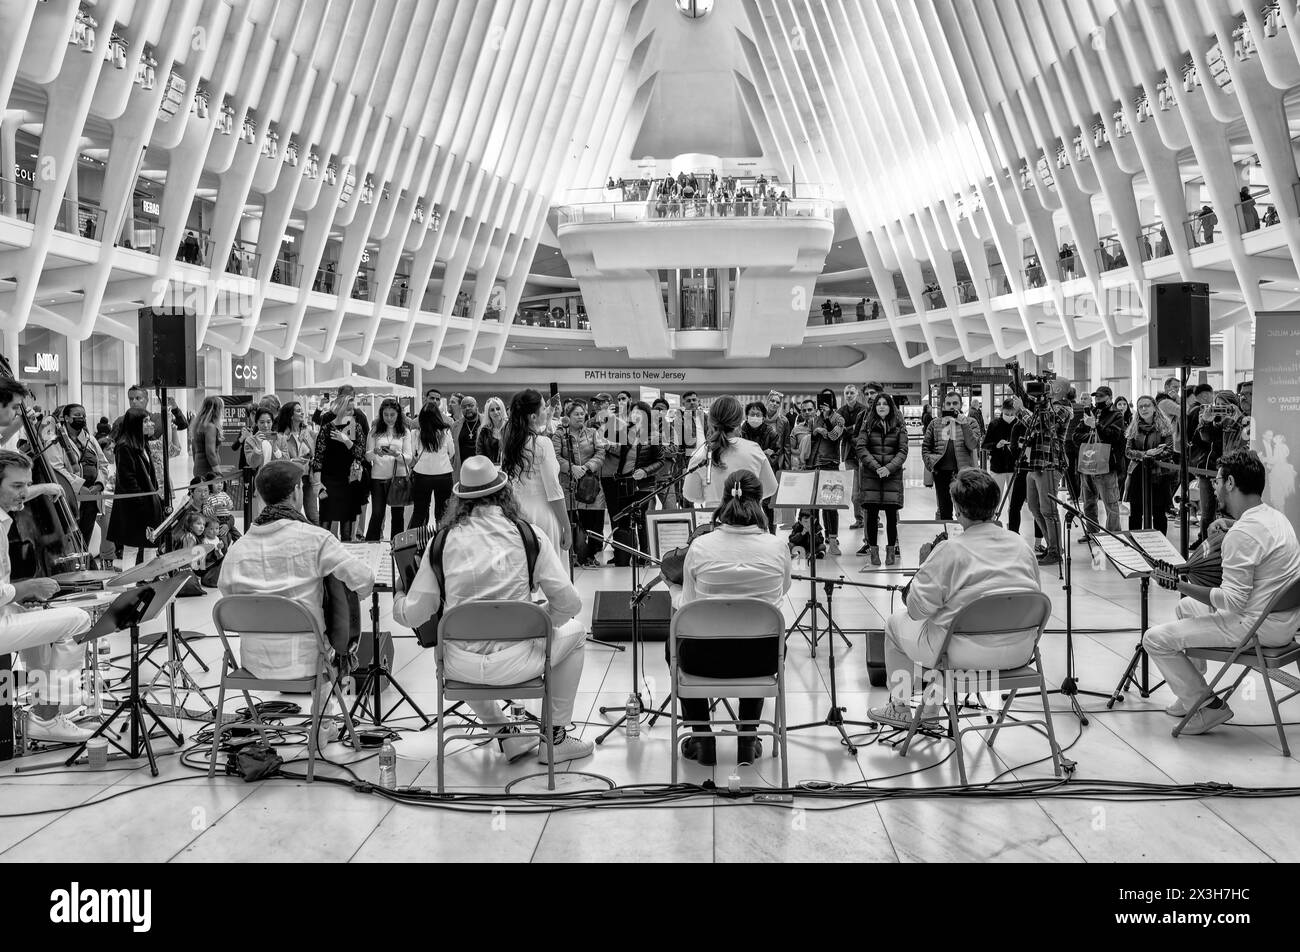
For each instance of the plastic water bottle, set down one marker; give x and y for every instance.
(388, 765)
(633, 710)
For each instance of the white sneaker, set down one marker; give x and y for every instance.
(1208, 718)
(571, 748)
(59, 729)
(832, 545)
(516, 745)
(1177, 709)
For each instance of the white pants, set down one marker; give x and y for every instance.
(522, 662)
(908, 644)
(46, 639)
(1200, 626)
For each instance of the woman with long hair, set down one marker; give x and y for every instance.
(296, 440)
(632, 460)
(431, 477)
(761, 432)
(130, 518)
(739, 559)
(261, 447)
(206, 436)
(1150, 439)
(881, 445)
(581, 454)
(490, 434)
(389, 453)
(528, 461)
(338, 464)
(725, 451)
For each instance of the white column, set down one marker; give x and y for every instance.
(227, 373)
(73, 366)
(267, 371)
(130, 364)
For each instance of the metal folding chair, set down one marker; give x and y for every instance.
(250, 616)
(1253, 656)
(729, 619)
(491, 620)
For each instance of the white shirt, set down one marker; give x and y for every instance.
(705, 485)
(985, 558)
(290, 559)
(433, 462)
(1260, 558)
(484, 559)
(737, 562)
(383, 466)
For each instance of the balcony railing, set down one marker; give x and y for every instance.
(195, 248)
(243, 259)
(1201, 227)
(1068, 266)
(1110, 254)
(463, 306)
(80, 218)
(1035, 276)
(361, 286)
(933, 299)
(18, 200)
(656, 210)
(1153, 242)
(146, 237)
(999, 284)
(399, 293)
(286, 272)
(1258, 211)
(327, 279)
(967, 293)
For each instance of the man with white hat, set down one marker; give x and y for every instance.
(485, 556)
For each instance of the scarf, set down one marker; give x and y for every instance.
(281, 510)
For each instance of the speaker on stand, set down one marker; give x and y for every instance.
(168, 359)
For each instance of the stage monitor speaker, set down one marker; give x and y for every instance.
(611, 616)
(168, 353)
(1179, 330)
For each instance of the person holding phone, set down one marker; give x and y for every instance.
(338, 464)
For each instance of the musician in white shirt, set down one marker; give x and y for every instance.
(283, 554)
(725, 451)
(984, 558)
(738, 559)
(46, 638)
(1260, 558)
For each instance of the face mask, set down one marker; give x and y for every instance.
(1009, 417)
(77, 425)
(755, 421)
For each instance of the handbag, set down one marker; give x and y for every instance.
(586, 488)
(1094, 457)
(399, 490)
(927, 478)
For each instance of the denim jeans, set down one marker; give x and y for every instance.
(1103, 489)
(1041, 485)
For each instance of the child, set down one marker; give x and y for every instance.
(188, 531)
(219, 505)
(800, 535)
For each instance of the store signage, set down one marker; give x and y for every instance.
(404, 376)
(977, 376)
(244, 370)
(41, 363)
(150, 206)
(635, 376)
(24, 175)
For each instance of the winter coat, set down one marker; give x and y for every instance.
(878, 445)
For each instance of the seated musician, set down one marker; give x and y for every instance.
(739, 559)
(45, 638)
(726, 452)
(484, 557)
(985, 558)
(1260, 557)
(284, 554)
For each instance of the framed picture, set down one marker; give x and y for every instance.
(669, 528)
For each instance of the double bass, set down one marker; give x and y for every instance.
(45, 540)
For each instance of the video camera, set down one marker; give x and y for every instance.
(1031, 388)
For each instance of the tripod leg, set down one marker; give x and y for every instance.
(174, 737)
(189, 650)
(1127, 678)
(404, 698)
(138, 724)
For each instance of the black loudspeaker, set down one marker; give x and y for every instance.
(168, 353)
(611, 616)
(1179, 329)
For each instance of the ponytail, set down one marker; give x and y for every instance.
(726, 416)
(742, 501)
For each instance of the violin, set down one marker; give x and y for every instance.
(672, 564)
(48, 540)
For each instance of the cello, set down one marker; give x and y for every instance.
(45, 540)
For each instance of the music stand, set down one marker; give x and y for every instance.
(128, 612)
(369, 695)
(639, 592)
(806, 486)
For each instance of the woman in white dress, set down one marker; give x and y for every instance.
(725, 452)
(528, 460)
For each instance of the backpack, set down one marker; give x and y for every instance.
(427, 634)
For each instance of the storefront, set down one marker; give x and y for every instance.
(43, 365)
(103, 377)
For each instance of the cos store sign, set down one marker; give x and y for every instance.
(246, 371)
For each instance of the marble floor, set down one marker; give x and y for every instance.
(52, 814)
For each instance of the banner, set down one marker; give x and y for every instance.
(1276, 406)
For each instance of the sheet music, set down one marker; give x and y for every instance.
(1129, 563)
(796, 489)
(1157, 547)
(377, 555)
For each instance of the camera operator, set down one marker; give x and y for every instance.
(1199, 454)
(824, 428)
(1106, 423)
(1044, 461)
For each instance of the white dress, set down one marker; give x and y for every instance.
(537, 487)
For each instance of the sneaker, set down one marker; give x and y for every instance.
(832, 545)
(1208, 718)
(856, 525)
(515, 744)
(1049, 558)
(864, 549)
(1176, 710)
(894, 714)
(569, 748)
(59, 729)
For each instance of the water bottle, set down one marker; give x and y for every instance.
(388, 765)
(517, 713)
(633, 710)
(1096, 559)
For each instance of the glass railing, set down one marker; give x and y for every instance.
(463, 306)
(570, 315)
(1034, 275)
(80, 218)
(967, 293)
(18, 200)
(1110, 254)
(145, 237)
(663, 210)
(243, 259)
(399, 293)
(195, 248)
(1153, 242)
(933, 299)
(998, 285)
(327, 279)
(1201, 228)
(361, 286)
(1068, 266)
(286, 272)
(1258, 211)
